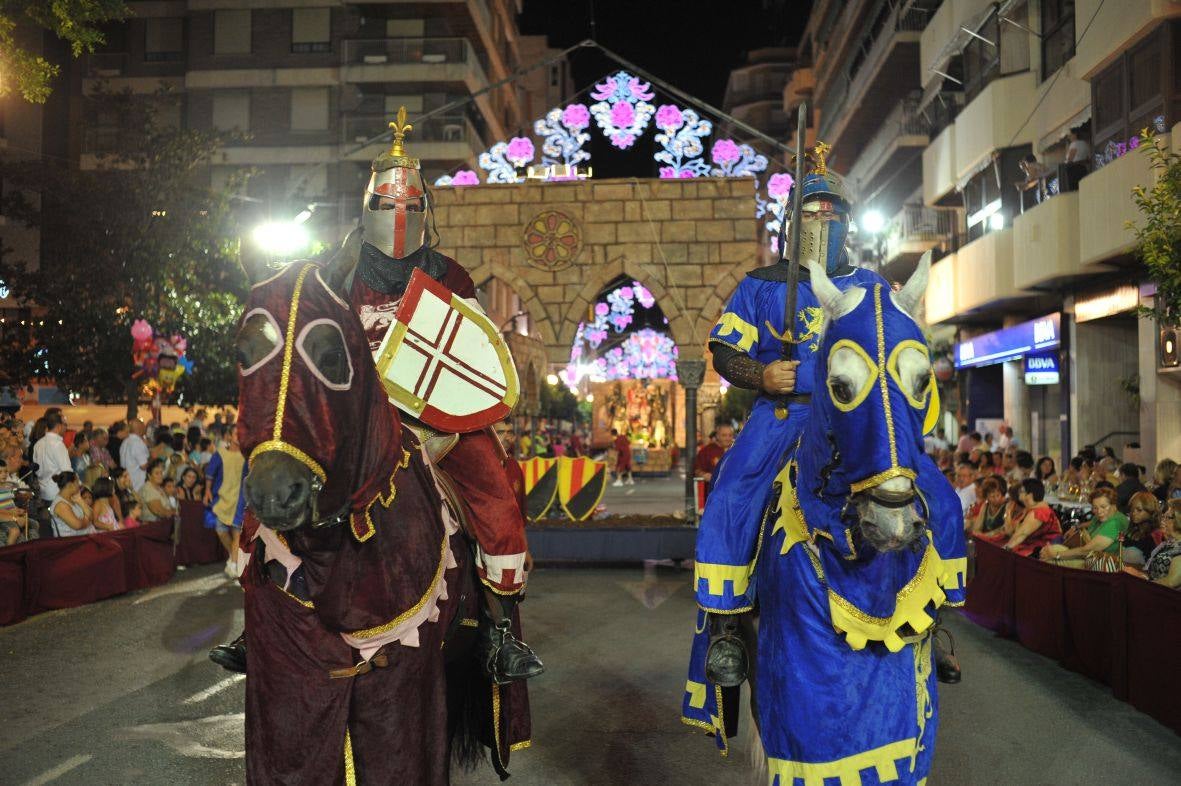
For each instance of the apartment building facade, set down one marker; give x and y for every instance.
(932, 108)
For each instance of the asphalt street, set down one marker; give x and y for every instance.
(121, 692)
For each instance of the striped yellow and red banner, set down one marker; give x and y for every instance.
(581, 483)
(541, 485)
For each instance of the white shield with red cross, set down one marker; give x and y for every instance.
(444, 362)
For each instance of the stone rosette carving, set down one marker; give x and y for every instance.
(552, 240)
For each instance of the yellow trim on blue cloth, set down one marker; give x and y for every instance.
(731, 323)
(696, 691)
(848, 769)
(717, 575)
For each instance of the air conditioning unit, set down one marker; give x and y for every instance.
(1168, 352)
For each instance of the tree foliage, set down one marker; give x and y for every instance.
(558, 403)
(73, 21)
(141, 237)
(1158, 234)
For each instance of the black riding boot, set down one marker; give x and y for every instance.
(726, 660)
(505, 657)
(232, 656)
(947, 665)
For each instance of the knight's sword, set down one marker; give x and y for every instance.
(793, 261)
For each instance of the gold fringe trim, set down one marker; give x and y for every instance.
(384, 499)
(520, 746)
(280, 446)
(350, 767)
(848, 769)
(288, 352)
(881, 477)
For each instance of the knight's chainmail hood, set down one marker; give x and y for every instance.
(390, 276)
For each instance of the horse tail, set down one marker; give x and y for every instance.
(465, 713)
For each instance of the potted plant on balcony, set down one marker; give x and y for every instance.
(1158, 233)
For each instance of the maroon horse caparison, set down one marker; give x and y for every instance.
(352, 623)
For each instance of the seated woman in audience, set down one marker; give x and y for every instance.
(1046, 472)
(1164, 564)
(69, 514)
(91, 475)
(1161, 478)
(106, 506)
(156, 505)
(1037, 523)
(1101, 535)
(189, 488)
(1144, 530)
(989, 520)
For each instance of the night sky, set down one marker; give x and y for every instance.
(692, 45)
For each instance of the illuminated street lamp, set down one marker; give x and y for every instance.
(552, 379)
(872, 221)
(281, 238)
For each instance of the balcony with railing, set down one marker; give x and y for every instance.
(902, 134)
(448, 138)
(763, 82)
(881, 69)
(421, 60)
(914, 230)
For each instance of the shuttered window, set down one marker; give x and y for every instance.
(164, 39)
(231, 110)
(309, 109)
(311, 30)
(231, 32)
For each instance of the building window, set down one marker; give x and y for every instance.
(308, 180)
(309, 109)
(231, 111)
(405, 28)
(164, 39)
(311, 30)
(231, 32)
(1057, 34)
(982, 58)
(1139, 90)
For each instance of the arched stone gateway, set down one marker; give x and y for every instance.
(558, 244)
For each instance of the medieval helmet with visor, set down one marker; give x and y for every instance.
(395, 210)
(825, 208)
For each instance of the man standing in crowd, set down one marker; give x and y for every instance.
(224, 505)
(711, 453)
(134, 454)
(623, 459)
(51, 455)
(115, 436)
(99, 454)
(968, 441)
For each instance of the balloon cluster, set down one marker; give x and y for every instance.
(159, 360)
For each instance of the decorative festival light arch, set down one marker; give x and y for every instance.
(623, 112)
(644, 354)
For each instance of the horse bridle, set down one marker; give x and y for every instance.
(338, 518)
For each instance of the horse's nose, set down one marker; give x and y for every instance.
(278, 489)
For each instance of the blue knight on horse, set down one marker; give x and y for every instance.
(830, 520)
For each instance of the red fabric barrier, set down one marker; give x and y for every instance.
(60, 573)
(12, 590)
(197, 545)
(1088, 599)
(147, 554)
(1038, 620)
(1153, 625)
(991, 597)
(1113, 627)
(68, 572)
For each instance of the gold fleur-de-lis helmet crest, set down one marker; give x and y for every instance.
(396, 155)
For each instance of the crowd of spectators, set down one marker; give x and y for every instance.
(58, 480)
(1099, 513)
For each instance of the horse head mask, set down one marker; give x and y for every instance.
(873, 405)
(314, 420)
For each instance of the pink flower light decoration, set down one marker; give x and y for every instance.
(669, 118)
(465, 177)
(520, 150)
(779, 186)
(576, 117)
(601, 309)
(724, 151)
(623, 115)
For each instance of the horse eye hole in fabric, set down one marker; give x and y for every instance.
(910, 367)
(323, 348)
(258, 341)
(841, 389)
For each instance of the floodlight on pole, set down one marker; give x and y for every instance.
(872, 221)
(281, 238)
(552, 379)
